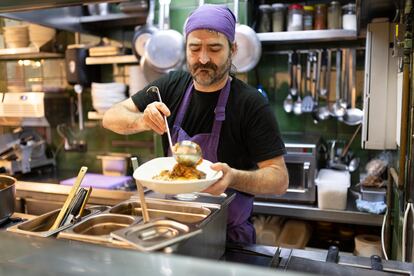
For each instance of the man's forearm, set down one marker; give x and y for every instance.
(267, 180)
(122, 121)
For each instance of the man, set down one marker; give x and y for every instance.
(231, 121)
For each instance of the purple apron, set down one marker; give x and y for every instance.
(239, 228)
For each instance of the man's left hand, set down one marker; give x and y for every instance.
(221, 185)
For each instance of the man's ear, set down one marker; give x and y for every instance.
(233, 49)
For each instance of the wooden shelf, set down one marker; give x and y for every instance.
(26, 53)
(125, 59)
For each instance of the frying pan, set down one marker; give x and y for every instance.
(249, 47)
(143, 33)
(165, 49)
(7, 197)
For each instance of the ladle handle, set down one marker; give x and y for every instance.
(145, 215)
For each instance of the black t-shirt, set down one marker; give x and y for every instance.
(250, 132)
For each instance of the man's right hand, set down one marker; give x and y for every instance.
(153, 116)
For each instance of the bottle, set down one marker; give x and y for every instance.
(265, 18)
(349, 17)
(334, 15)
(320, 17)
(295, 17)
(278, 17)
(308, 17)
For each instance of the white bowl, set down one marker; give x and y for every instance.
(148, 170)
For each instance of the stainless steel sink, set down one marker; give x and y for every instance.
(183, 212)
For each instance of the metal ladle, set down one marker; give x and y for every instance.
(185, 152)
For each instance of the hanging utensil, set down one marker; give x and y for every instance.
(165, 49)
(353, 116)
(288, 102)
(323, 110)
(338, 110)
(140, 189)
(144, 32)
(308, 102)
(249, 47)
(297, 106)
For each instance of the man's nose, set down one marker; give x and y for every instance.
(204, 58)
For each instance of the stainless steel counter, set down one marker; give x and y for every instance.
(309, 212)
(21, 255)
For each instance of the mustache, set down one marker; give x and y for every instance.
(208, 65)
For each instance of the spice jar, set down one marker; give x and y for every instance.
(295, 17)
(265, 18)
(349, 17)
(278, 17)
(334, 15)
(308, 17)
(320, 17)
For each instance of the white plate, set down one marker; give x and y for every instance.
(148, 170)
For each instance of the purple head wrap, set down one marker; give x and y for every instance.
(212, 17)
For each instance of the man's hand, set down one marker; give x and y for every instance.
(221, 185)
(153, 116)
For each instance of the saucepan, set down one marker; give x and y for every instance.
(7, 197)
(165, 49)
(143, 33)
(249, 47)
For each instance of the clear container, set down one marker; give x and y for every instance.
(349, 21)
(320, 17)
(265, 18)
(278, 17)
(334, 15)
(295, 18)
(333, 189)
(308, 13)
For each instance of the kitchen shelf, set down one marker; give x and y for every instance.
(308, 36)
(114, 20)
(351, 215)
(125, 59)
(26, 53)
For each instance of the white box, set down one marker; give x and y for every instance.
(332, 189)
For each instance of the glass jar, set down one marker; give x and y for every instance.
(278, 17)
(308, 17)
(320, 17)
(349, 17)
(295, 18)
(334, 15)
(265, 18)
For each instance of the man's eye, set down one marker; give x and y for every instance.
(215, 49)
(194, 49)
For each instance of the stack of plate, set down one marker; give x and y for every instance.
(16, 36)
(40, 35)
(105, 95)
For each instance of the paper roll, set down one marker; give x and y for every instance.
(367, 245)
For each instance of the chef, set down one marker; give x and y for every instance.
(231, 121)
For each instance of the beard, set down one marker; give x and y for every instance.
(209, 73)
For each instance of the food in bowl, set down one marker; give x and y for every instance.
(180, 172)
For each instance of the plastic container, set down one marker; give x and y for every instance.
(332, 189)
(373, 194)
(295, 234)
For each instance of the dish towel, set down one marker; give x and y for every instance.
(378, 207)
